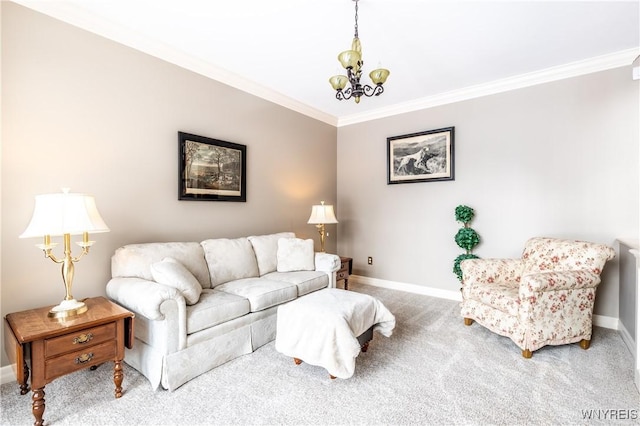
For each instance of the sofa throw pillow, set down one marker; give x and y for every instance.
(266, 250)
(172, 273)
(295, 254)
(229, 259)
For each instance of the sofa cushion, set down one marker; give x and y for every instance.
(229, 260)
(261, 292)
(215, 307)
(135, 260)
(174, 274)
(306, 281)
(295, 254)
(265, 248)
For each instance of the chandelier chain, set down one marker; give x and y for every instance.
(356, 26)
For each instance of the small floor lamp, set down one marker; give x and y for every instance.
(322, 214)
(65, 214)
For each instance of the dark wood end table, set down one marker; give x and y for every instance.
(56, 347)
(346, 266)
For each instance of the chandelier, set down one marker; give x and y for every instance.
(351, 60)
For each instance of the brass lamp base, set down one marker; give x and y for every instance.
(68, 308)
(321, 231)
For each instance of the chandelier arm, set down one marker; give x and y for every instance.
(343, 95)
(372, 91)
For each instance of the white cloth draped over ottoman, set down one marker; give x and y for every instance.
(322, 328)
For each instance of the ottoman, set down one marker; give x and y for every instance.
(322, 328)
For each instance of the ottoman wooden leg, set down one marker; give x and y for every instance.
(332, 377)
(298, 361)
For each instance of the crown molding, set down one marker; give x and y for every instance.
(574, 69)
(72, 15)
(77, 17)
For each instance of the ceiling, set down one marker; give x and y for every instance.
(437, 51)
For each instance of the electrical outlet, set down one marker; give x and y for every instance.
(370, 260)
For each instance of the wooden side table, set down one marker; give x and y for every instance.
(61, 346)
(346, 265)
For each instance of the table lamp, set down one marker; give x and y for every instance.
(65, 214)
(322, 214)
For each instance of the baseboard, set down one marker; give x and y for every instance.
(7, 375)
(606, 322)
(598, 320)
(631, 345)
(409, 288)
(628, 340)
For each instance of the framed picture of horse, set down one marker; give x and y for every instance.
(421, 157)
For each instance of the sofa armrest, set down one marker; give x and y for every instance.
(326, 262)
(329, 264)
(478, 271)
(559, 280)
(162, 306)
(142, 296)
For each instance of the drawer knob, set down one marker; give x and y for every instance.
(83, 338)
(84, 358)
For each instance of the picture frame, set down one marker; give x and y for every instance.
(211, 169)
(421, 157)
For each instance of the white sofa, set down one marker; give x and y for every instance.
(199, 305)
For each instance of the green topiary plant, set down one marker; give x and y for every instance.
(456, 263)
(464, 214)
(466, 237)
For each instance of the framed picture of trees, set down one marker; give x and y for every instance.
(211, 169)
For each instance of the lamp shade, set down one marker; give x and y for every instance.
(338, 82)
(379, 76)
(322, 214)
(349, 59)
(64, 213)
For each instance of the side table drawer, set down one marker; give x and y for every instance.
(76, 341)
(344, 266)
(83, 358)
(341, 275)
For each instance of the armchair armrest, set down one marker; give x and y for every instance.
(491, 270)
(559, 280)
(326, 262)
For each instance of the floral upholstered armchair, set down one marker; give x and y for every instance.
(544, 298)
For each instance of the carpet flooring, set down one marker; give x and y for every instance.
(433, 370)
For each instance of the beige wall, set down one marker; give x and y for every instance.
(559, 159)
(84, 112)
